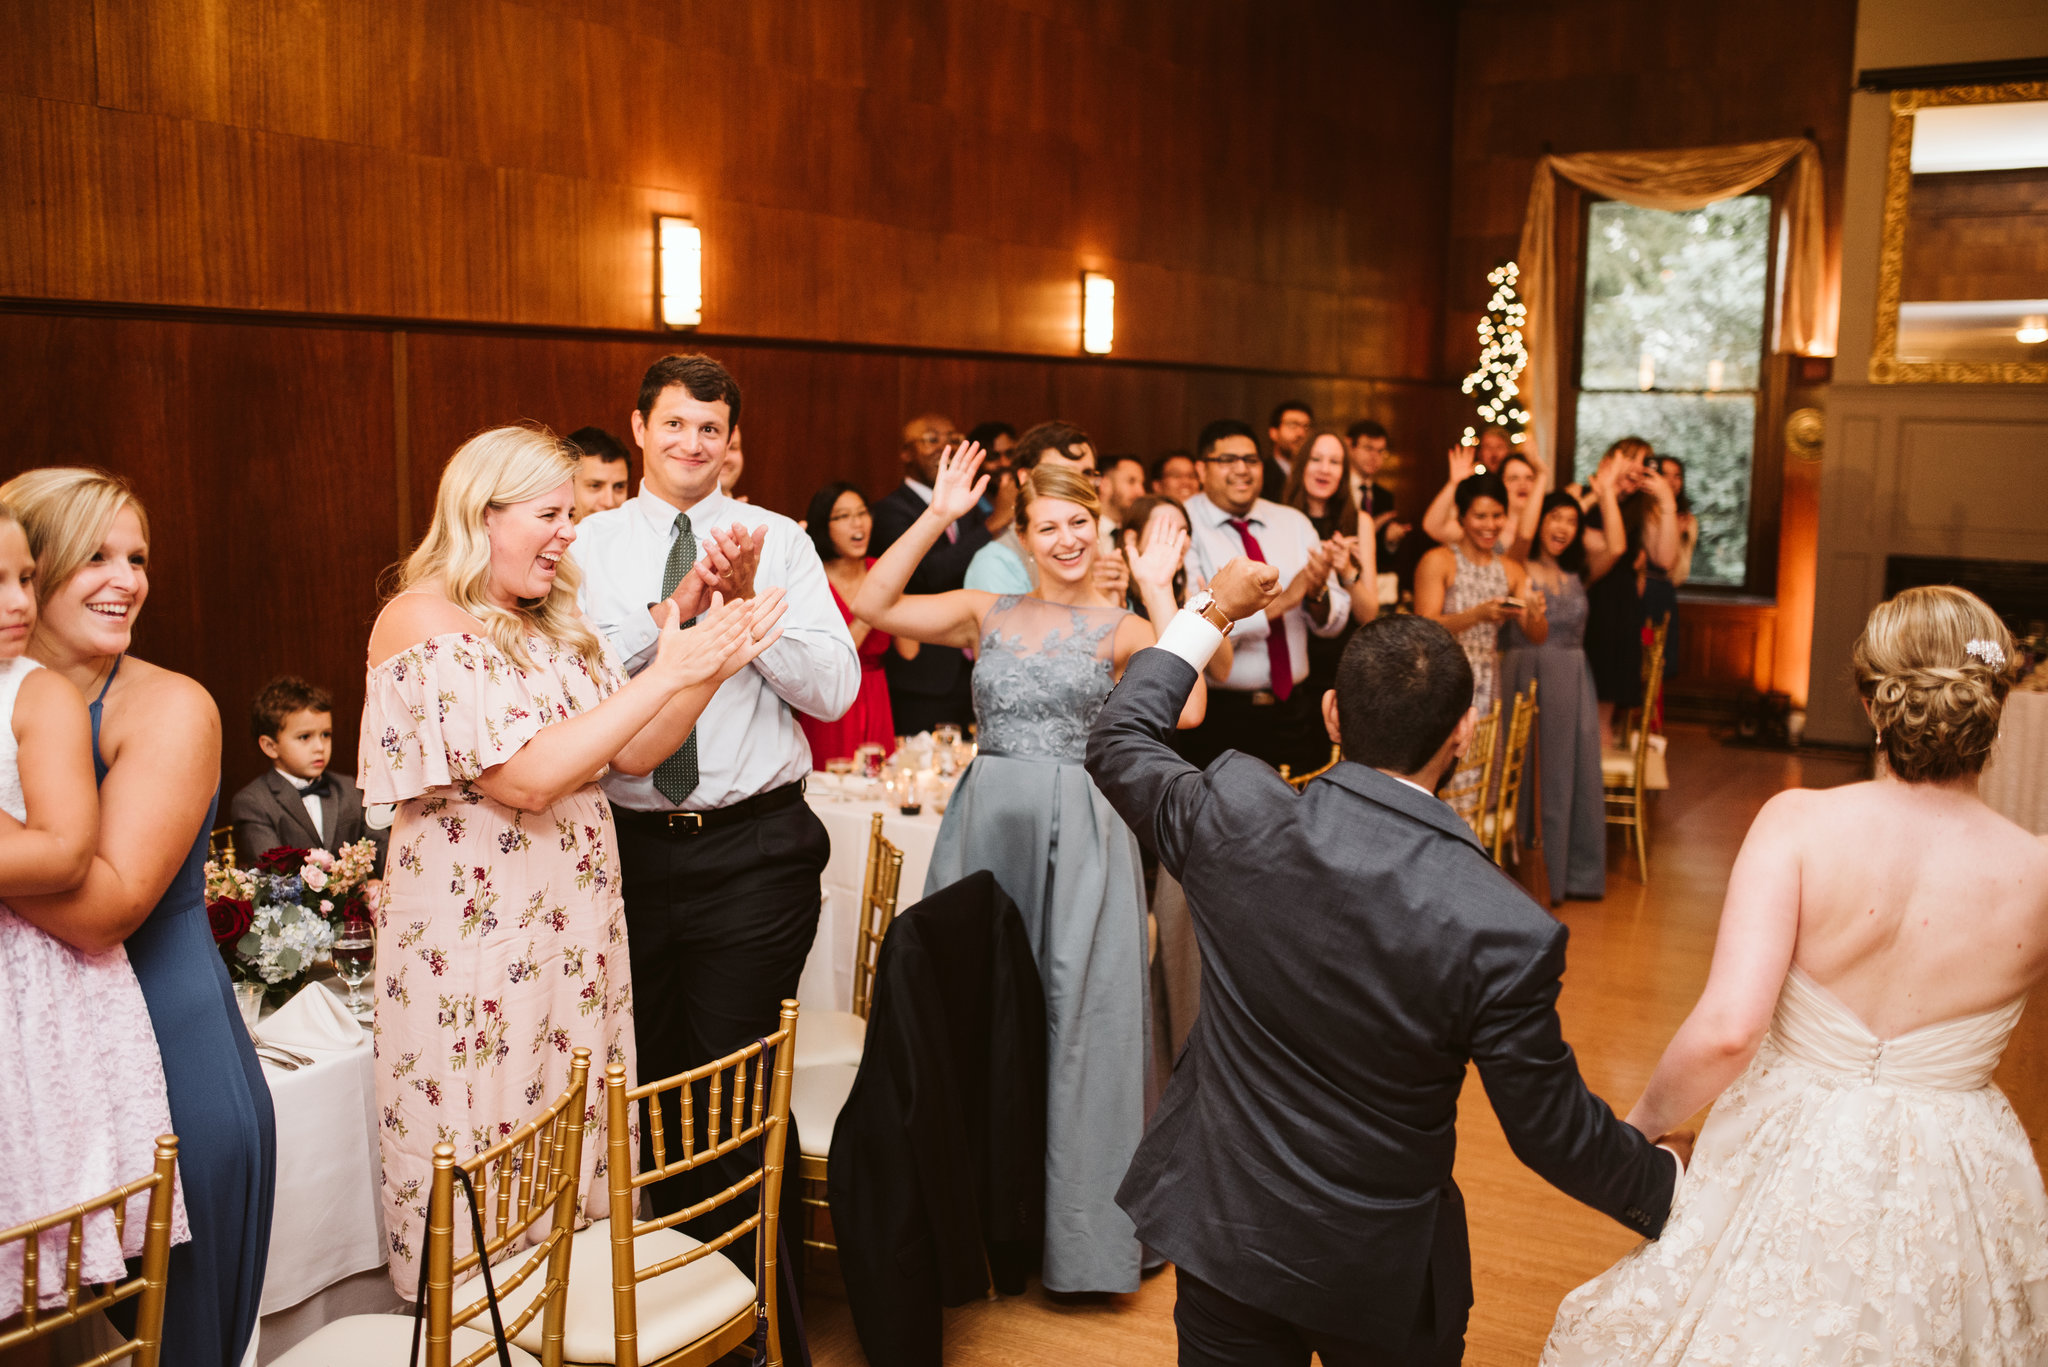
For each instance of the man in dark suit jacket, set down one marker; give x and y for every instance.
(293, 724)
(1358, 950)
(935, 685)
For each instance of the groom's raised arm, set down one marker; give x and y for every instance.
(1154, 790)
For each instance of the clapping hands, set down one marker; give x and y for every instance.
(727, 558)
(726, 638)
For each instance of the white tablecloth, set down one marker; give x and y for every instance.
(827, 982)
(326, 1223)
(2016, 779)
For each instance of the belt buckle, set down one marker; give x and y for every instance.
(1264, 697)
(695, 819)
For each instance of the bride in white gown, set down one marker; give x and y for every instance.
(1862, 1193)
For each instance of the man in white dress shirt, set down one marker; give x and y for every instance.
(720, 856)
(1258, 709)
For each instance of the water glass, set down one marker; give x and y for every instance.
(355, 954)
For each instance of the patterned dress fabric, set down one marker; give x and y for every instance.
(501, 945)
(1472, 585)
(1027, 811)
(1852, 1200)
(82, 1096)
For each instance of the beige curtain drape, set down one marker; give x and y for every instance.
(1683, 178)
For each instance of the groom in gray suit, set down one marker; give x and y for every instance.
(1358, 950)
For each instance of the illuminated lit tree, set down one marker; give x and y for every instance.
(1501, 358)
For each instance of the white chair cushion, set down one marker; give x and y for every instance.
(1618, 768)
(829, 1037)
(674, 1309)
(372, 1339)
(816, 1096)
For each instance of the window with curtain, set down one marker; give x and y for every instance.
(1672, 340)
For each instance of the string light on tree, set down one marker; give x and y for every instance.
(1501, 358)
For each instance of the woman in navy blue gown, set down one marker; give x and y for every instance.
(156, 749)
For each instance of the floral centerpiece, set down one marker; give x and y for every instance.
(275, 921)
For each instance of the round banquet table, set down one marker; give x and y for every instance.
(2016, 779)
(827, 982)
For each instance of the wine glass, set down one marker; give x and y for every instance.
(355, 954)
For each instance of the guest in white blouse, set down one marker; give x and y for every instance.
(721, 857)
(1258, 709)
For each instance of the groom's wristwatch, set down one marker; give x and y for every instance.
(1204, 604)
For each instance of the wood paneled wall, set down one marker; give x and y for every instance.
(282, 478)
(897, 172)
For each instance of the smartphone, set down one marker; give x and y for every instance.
(1512, 603)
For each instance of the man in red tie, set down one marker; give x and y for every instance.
(1258, 709)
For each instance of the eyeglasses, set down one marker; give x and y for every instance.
(1225, 462)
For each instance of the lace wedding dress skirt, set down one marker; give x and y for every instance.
(1852, 1200)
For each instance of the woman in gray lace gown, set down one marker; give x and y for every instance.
(1027, 811)
(1566, 745)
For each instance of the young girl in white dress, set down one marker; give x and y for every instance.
(81, 1082)
(1862, 1192)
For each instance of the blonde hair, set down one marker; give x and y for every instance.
(1055, 481)
(1934, 702)
(65, 511)
(493, 470)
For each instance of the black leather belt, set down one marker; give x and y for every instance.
(690, 823)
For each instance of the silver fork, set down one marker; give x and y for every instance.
(301, 1060)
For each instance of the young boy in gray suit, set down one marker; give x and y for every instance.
(298, 803)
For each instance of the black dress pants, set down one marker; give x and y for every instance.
(1217, 1330)
(718, 925)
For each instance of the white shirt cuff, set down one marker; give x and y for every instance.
(1676, 1159)
(1192, 637)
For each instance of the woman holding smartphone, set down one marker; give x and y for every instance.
(1472, 588)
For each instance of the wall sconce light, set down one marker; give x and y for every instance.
(2033, 329)
(681, 257)
(1098, 312)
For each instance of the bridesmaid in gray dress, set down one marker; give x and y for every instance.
(1567, 740)
(1027, 811)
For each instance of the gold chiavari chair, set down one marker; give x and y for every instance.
(642, 1291)
(837, 1036)
(220, 845)
(828, 1056)
(147, 1290)
(532, 1173)
(1336, 753)
(1466, 792)
(1623, 775)
(1501, 824)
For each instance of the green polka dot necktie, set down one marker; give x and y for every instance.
(676, 776)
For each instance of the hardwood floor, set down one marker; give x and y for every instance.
(1637, 961)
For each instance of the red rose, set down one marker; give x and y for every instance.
(285, 859)
(230, 918)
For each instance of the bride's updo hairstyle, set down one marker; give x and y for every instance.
(1934, 666)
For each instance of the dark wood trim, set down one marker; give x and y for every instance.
(1885, 78)
(671, 337)
(401, 440)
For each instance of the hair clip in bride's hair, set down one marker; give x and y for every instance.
(1990, 652)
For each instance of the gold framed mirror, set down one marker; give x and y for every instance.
(1962, 288)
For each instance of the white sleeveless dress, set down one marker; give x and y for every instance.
(82, 1095)
(1852, 1200)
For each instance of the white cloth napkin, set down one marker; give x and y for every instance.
(313, 1019)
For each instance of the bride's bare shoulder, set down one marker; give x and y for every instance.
(414, 616)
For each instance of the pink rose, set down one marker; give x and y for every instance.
(315, 877)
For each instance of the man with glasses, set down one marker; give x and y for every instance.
(934, 686)
(1259, 707)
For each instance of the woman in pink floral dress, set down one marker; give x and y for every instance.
(491, 709)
